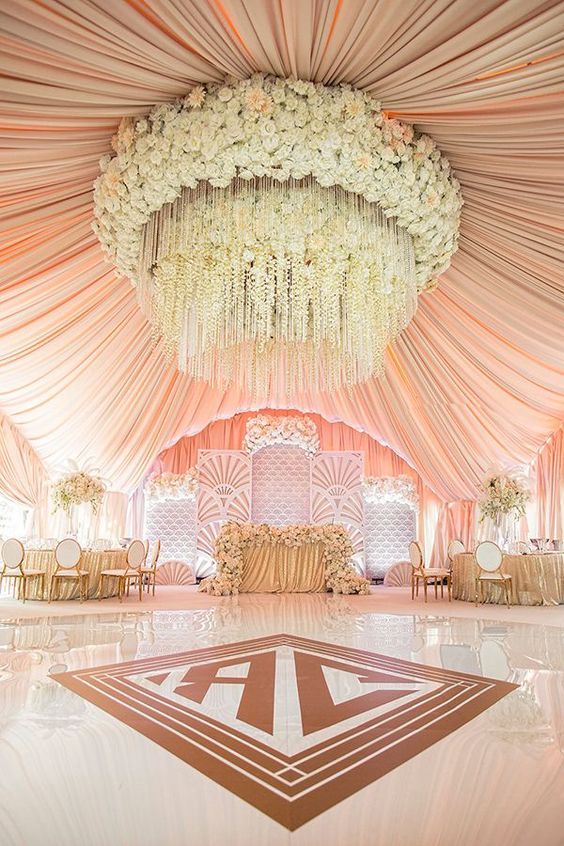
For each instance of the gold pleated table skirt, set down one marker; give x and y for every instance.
(94, 561)
(277, 568)
(535, 579)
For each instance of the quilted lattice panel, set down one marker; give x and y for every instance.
(224, 493)
(281, 485)
(388, 529)
(174, 522)
(336, 493)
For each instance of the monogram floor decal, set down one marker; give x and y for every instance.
(291, 725)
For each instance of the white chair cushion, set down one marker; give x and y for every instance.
(136, 554)
(489, 556)
(493, 577)
(415, 554)
(70, 573)
(67, 553)
(12, 553)
(455, 547)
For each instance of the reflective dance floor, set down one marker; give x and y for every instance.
(281, 719)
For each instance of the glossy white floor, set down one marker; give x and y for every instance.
(73, 772)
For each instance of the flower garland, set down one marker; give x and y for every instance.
(75, 488)
(173, 485)
(234, 538)
(503, 494)
(266, 430)
(391, 489)
(281, 129)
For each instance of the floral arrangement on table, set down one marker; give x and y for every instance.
(267, 430)
(279, 128)
(503, 494)
(234, 538)
(390, 489)
(77, 487)
(162, 486)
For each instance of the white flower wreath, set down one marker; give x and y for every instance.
(282, 129)
(267, 430)
(173, 485)
(391, 489)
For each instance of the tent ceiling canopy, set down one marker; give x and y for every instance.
(477, 376)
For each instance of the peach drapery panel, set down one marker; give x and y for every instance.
(22, 476)
(548, 472)
(477, 377)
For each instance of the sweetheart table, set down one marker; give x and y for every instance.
(535, 579)
(92, 560)
(278, 568)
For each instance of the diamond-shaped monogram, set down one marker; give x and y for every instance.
(288, 724)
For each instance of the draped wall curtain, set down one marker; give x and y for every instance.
(22, 476)
(548, 473)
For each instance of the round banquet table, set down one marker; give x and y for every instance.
(535, 579)
(94, 561)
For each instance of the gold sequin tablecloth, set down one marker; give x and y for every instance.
(535, 579)
(94, 561)
(277, 568)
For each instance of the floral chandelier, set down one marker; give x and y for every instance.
(278, 232)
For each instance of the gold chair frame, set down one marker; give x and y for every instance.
(69, 574)
(426, 574)
(150, 573)
(502, 579)
(20, 575)
(125, 576)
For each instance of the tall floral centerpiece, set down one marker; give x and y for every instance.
(503, 502)
(76, 488)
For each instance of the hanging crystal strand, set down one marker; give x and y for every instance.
(329, 283)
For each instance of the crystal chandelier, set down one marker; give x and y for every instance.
(264, 283)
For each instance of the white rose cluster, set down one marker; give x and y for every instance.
(164, 486)
(267, 430)
(75, 488)
(281, 129)
(402, 489)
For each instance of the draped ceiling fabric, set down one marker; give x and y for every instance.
(476, 379)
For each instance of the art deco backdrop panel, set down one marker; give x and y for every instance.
(281, 485)
(173, 522)
(336, 493)
(224, 493)
(389, 527)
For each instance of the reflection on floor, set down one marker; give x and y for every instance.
(77, 772)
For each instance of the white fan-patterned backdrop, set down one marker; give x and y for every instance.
(224, 493)
(281, 485)
(173, 522)
(336, 494)
(388, 528)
